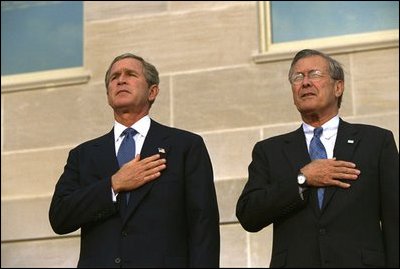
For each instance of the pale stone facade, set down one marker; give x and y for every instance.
(210, 84)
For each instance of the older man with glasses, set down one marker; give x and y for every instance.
(330, 188)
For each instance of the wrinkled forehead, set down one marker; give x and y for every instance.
(314, 62)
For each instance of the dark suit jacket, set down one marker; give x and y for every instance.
(356, 227)
(172, 221)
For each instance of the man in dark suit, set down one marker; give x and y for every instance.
(158, 209)
(337, 205)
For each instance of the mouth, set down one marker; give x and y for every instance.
(122, 91)
(307, 94)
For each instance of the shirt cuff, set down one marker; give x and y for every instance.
(301, 190)
(114, 195)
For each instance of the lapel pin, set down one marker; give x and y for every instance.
(350, 141)
(162, 153)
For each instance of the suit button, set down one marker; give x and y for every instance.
(322, 231)
(117, 260)
(124, 234)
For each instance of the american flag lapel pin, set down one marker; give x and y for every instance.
(162, 152)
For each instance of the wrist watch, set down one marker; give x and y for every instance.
(301, 179)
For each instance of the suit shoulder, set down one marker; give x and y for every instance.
(370, 128)
(181, 133)
(370, 131)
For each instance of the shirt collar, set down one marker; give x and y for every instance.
(330, 128)
(142, 126)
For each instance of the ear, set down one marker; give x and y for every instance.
(339, 88)
(153, 92)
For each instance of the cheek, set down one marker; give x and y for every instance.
(295, 93)
(109, 99)
(110, 94)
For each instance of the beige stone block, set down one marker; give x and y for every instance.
(195, 5)
(62, 253)
(108, 10)
(63, 116)
(376, 81)
(347, 104)
(274, 130)
(230, 151)
(23, 219)
(228, 192)
(175, 42)
(234, 249)
(261, 247)
(161, 108)
(233, 98)
(32, 173)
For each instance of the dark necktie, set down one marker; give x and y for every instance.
(317, 151)
(127, 150)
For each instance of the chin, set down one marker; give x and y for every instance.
(306, 105)
(122, 101)
(306, 109)
(121, 105)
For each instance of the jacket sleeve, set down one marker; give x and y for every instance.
(79, 198)
(266, 198)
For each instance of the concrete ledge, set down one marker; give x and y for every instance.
(46, 79)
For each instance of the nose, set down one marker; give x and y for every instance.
(121, 79)
(306, 81)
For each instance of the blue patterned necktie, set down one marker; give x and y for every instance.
(127, 150)
(317, 151)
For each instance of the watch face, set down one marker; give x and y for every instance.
(301, 179)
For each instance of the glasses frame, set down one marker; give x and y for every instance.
(314, 75)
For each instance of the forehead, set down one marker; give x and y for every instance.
(311, 63)
(127, 64)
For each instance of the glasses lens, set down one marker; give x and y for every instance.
(297, 78)
(313, 75)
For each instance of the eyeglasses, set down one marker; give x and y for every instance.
(313, 75)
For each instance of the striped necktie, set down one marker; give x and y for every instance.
(317, 151)
(127, 150)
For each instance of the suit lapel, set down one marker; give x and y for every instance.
(295, 149)
(345, 145)
(154, 140)
(105, 156)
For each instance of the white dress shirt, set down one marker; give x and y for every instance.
(328, 137)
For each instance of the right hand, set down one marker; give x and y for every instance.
(137, 172)
(330, 172)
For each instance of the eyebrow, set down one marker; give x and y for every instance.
(311, 70)
(124, 70)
